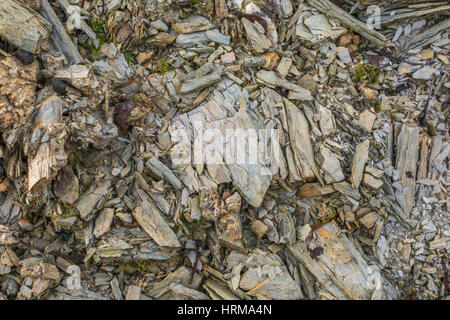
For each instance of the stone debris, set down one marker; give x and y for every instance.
(149, 218)
(359, 161)
(226, 150)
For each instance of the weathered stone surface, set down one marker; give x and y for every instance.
(359, 162)
(190, 27)
(340, 268)
(331, 166)
(66, 186)
(267, 277)
(371, 182)
(259, 228)
(149, 218)
(89, 200)
(369, 219)
(366, 120)
(271, 78)
(256, 37)
(314, 190)
(103, 222)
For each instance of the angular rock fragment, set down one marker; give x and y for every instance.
(116, 289)
(7, 236)
(301, 143)
(217, 37)
(272, 79)
(229, 226)
(359, 162)
(256, 36)
(66, 186)
(316, 27)
(191, 39)
(218, 290)
(327, 123)
(188, 292)
(286, 226)
(377, 173)
(268, 278)
(341, 269)
(303, 232)
(87, 203)
(259, 228)
(346, 188)
(133, 293)
(50, 155)
(284, 66)
(406, 164)
(161, 40)
(199, 83)
(314, 190)
(424, 73)
(369, 219)
(103, 222)
(149, 218)
(371, 182)
(366, 120)
(36, 268)
(344, 55)
(22, 26)
(190, 27)
(161, 290)
(228, 57)
(331, 166)
(270, 60)
(161, 171)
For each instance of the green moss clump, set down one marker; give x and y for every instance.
(331, 217)
(365, 73)
(195, 224)
(75, 159)
(97, 25)
(164, 67)
(68, 211)
(128, 56)
(245, 241)
(141, 266)
(135, 97)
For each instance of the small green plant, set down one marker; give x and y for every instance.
(128, 56)
(94, 53)
(195, 224)
(245, 242)
(68, 210)
(141, 266)
(331, 216)
(135, 97)
(164, 66)
(75, 159)
(97, 25)
(182, 14)
(365, 73)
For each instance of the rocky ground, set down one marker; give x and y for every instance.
(105, 104)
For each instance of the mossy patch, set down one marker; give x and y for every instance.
(164, 67)
(365, 73)
(128, 56)
(195, 224)
(96, 24)
(97, 27)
